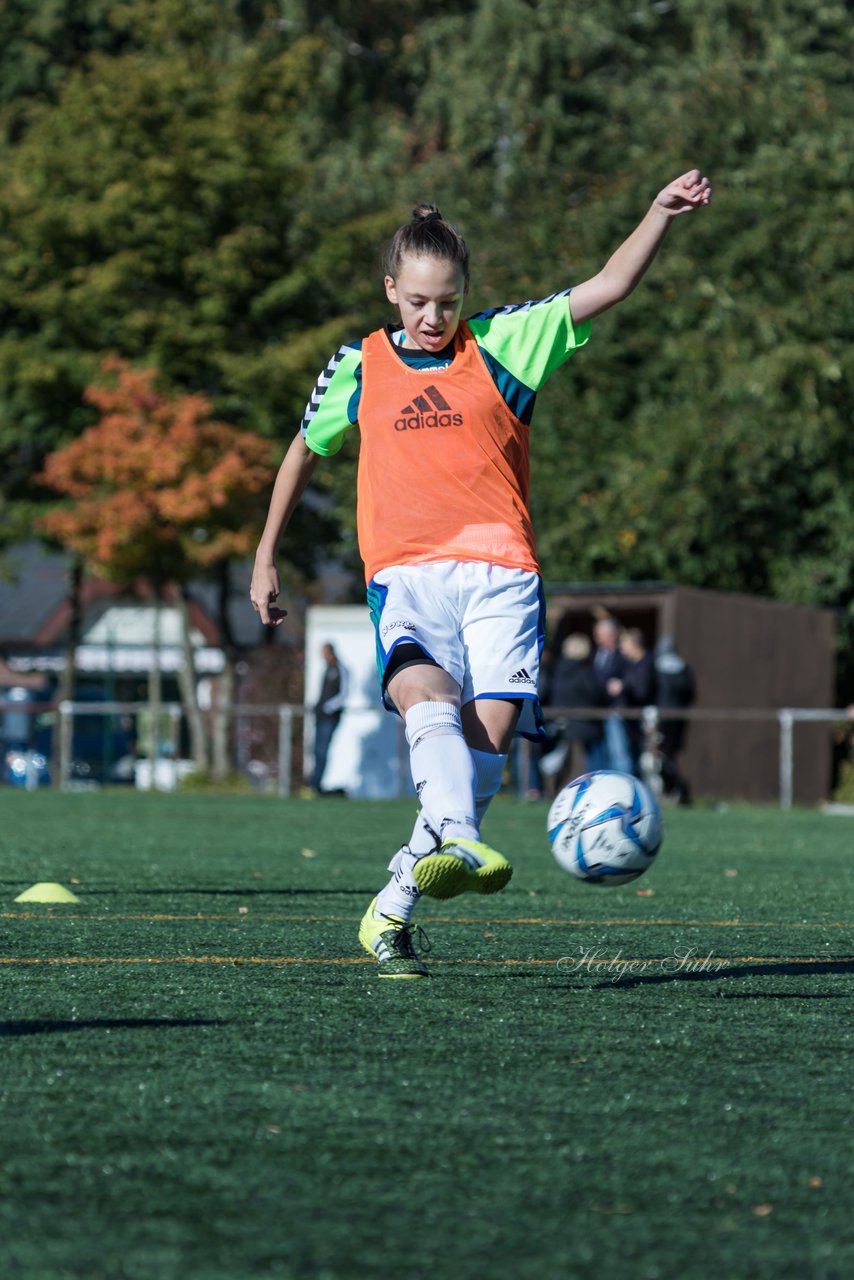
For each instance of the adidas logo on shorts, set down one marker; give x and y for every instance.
(521, 677)
(429, 410)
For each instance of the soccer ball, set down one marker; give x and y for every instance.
(605, 827)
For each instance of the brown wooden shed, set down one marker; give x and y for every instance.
(747, 654)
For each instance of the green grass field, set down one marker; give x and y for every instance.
(203, 1078)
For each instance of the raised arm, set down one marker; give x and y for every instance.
(294, 474)
(626, 267)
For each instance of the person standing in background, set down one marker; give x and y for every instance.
(638, 688)
(572, 684)
(608, 667)
(327, 712)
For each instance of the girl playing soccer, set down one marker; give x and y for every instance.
(443, 406)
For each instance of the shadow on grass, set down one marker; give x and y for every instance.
(785, 995)
(777, 969)
(41, 1026)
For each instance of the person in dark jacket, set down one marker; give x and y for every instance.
(327, 712)
(638, 687)
(572, 683)
(608, 666)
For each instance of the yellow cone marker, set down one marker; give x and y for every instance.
(45, 892)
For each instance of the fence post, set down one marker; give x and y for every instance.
(787, 721)
(66, 733)
(175, 715)
(286, 721)
(650, 758)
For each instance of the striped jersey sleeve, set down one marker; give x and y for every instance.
(333, 405)
(530, 339)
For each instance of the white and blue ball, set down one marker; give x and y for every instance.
(605, 827)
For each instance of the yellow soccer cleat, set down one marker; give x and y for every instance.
(390, 941)
(461, 866)
(442, 874)
(487, 870)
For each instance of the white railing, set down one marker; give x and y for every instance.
(788, 717)
(287, 715)
(162, 773)
(159, 767)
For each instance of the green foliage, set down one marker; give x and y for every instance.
(40, 40)
(157, 210)
(844, 793)
(203, 782)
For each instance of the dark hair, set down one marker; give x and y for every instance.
(427, 234)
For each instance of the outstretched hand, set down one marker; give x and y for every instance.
(685, 194)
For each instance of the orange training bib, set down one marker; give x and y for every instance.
(444, 467)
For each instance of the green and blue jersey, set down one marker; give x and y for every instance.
(521, 346)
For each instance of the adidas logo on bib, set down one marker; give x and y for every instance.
(429, 410)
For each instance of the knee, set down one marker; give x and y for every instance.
(422, 683)
(414, 697)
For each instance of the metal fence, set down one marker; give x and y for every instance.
(289, 725)
(273, 759)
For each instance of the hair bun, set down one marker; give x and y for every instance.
(426, 235)
(426, 213)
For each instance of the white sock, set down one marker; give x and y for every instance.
(424, 839)
(489, 774)
(489, 771)
(400, 896)
(442, 769)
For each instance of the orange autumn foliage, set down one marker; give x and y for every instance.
(159, 487)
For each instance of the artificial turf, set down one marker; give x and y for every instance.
(204, 1078)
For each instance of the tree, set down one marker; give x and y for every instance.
(160, 490)
(165, 203)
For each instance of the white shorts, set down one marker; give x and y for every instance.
(482, 623)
